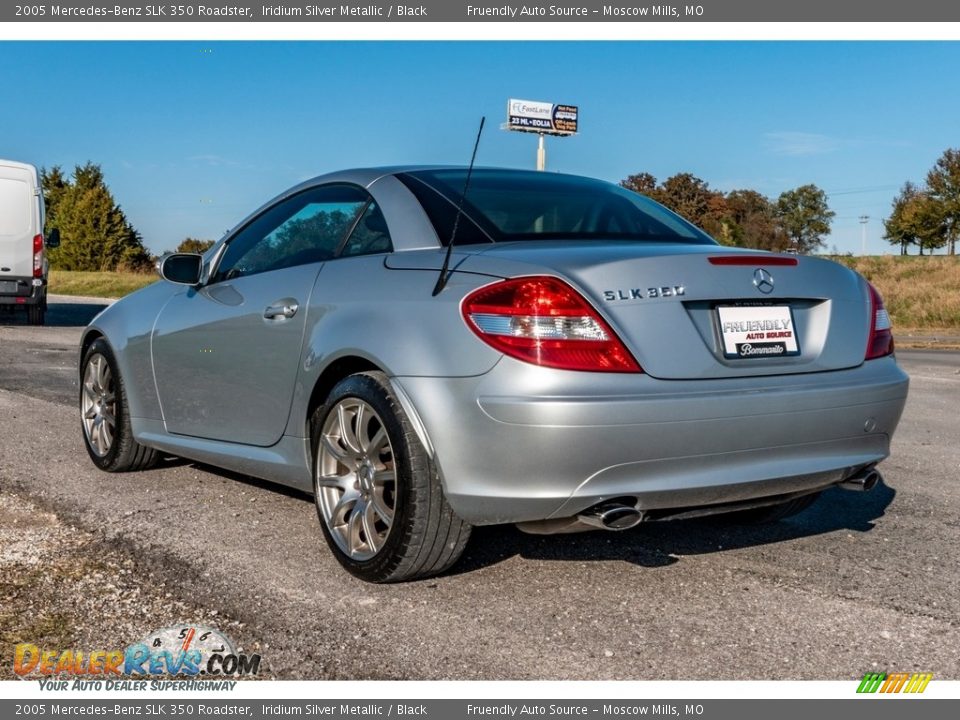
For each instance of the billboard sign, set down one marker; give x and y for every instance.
(541, 117)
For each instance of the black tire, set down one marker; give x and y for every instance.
(772, 513)
(123, 452)
(36, 314)
(425, 536)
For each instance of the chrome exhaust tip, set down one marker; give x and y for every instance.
(863, 481)
(612, 516)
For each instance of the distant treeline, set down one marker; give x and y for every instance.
(95, 234)
(927, 217)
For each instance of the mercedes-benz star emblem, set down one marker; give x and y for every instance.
(763, 281)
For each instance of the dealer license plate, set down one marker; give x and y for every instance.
(757, 331)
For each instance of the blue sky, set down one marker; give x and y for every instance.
(192, 136)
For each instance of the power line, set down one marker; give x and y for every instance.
(863, 191)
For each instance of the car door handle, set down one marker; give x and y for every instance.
(286, 309)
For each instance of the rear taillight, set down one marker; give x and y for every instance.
(544, 321)
(880, 342)
(38, 256)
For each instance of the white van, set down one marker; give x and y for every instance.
(23, 262)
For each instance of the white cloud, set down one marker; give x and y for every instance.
(214, 160)
(798, 143)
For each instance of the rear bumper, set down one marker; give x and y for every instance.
(21, 291)
(524, 443)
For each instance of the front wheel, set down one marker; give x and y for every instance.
(378, 494)
(104, 416)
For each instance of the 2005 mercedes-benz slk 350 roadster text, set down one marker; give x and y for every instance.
(426, 350)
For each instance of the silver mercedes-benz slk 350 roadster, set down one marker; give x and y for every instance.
(578, 357)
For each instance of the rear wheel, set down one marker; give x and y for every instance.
(36, 314)
(378, 494)
(104, 415)
(772, 513)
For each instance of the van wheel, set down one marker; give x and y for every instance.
(104, 415)
(378, 493)
(36, 313)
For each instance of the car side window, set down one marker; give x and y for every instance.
(303, 229)
(370, 235)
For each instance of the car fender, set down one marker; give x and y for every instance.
(127, 326)
(393, 324)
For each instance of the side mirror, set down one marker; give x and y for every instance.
(53, 239)
(181, 268)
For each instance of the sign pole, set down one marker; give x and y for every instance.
(542, 118)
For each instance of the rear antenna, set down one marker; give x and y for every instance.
(444, 271)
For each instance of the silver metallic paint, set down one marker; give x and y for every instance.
(513, 441)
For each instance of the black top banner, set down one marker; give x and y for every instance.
(853, 11)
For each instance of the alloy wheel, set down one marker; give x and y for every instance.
(356, 479)
(99, 405)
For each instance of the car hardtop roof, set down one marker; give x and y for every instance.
(367, 176)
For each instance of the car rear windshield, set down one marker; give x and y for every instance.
(510, 205)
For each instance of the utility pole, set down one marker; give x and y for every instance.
(864, 219)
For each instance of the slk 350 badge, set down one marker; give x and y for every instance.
(644, 293)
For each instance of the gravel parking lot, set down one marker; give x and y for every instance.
(858, 582)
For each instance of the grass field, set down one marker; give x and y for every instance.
(922, 294)
(98, 284)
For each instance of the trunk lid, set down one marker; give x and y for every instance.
(670, 304)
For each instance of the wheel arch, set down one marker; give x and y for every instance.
(348, 365)
(336, 371)
(88, 339)
(123, 453)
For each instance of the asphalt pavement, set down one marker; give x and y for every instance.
(859, 582)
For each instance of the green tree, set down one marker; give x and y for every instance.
(55, 186)
(930, 221)
(805, 217)
(688, 196)
(943, 182)
(691, 198)
(897, 229)
(894, 230)
(193, 245)
(916, 218)
(94, 232)
(643, 183)
(754, 221)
